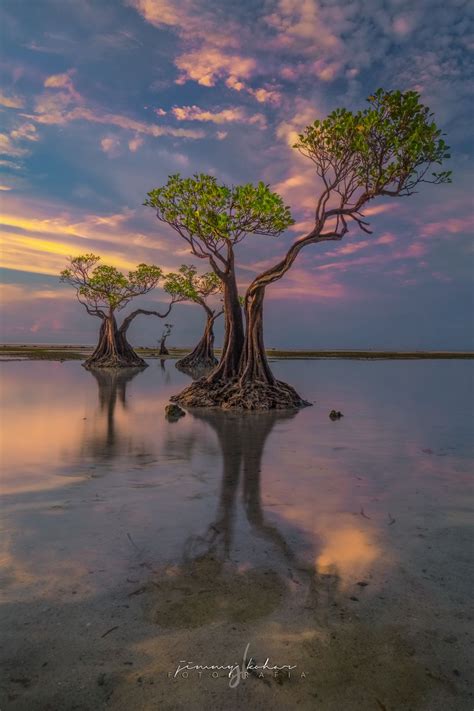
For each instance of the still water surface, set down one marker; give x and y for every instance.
(289, 513)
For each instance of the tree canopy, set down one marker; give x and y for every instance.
(188, 285)
(387, 149)
(210, 215)
(101, 286)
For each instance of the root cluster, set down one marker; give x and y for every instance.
(237, 395)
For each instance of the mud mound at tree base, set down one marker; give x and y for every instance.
(114, 362)
(235, 395)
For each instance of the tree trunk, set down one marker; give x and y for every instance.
(209, 391)
(202, 358)
(256, 387)
(113, 350)
(253, 364)
(233, 334)
(163, 348)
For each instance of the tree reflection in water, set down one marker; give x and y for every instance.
(242, 439)
(224, 577)
(104, 442)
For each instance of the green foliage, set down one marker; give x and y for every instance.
(386, 149)
(202, 210)
(101, 286)
(187, 285)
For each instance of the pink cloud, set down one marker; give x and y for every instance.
(208, 64)
(111, 146)
(194, 113)
(62, 104)
(344, 265)
(414, 250)
(215, 53)
(302, 282)
(379, 209)
(135, 143)
(63, 81)
(403, 25)
(11, 102)
(452, 225)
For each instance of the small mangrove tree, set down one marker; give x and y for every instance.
(188, 285)
(104, 291)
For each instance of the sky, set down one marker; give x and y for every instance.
(100, 100)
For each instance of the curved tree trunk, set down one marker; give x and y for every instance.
(253, 364)
(253, 386)
(256, 387)
(209, 390)
(202, 358)
(233, 333)
(113, 350)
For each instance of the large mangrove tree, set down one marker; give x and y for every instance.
(386, 150)
(103, 291)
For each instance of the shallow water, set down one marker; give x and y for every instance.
(197, 537)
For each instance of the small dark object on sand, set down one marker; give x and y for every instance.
(173, 413)
(335, 415)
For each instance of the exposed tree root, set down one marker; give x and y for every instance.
(237, 395)
(115, 360)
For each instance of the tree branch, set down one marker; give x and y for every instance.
(128, 320)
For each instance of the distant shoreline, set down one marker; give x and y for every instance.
(70, 352)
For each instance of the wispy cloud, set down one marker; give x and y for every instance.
(11, 102)
(232, 115)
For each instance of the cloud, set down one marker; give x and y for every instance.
(11, 143)
(61, 107)
(5, 188)
(352, 247)
(214, 42)
(38, 237)
(125, 122)
(208, 64)
(26, 131)
(300, 282)
(303, 113)
(448, 225)
(8, 147)
(111, 146)
(194, 113)
(403, 25)
(63, 81)
(16, 293)
(11, 102)
(135, 143)
(160, 12)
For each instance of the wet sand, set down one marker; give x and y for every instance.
(340, 548)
